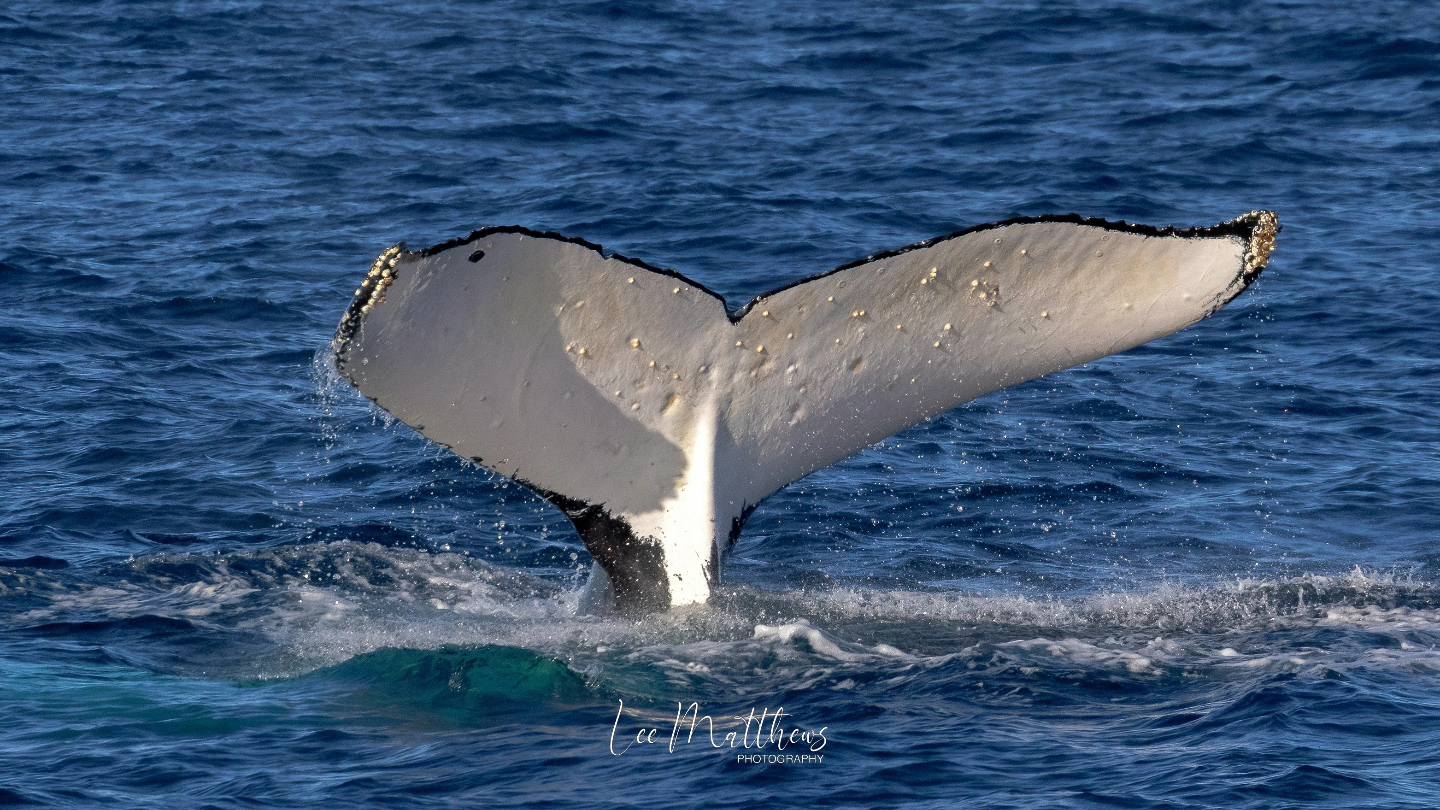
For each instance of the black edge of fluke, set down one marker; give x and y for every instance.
(1257, 228)
(1260, 230)
(370, 293)
(635, 564)
(1245, 227)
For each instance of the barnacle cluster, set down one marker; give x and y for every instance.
(986, 291)
(370, 293)
(378, 280)
(1264, 226)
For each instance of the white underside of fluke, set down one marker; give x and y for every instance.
(691, 516)
(629, 391)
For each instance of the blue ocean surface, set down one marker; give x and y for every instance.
(1205, 573)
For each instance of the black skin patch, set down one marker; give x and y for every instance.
(477, 255)
(636, 565)
(737, 524)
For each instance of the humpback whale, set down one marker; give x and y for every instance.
(657, 418)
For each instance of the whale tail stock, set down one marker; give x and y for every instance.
(632, 399)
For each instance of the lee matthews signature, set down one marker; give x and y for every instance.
(759, 731)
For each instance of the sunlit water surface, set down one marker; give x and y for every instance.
(1203, 573)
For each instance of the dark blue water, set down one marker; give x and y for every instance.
(1204, 573)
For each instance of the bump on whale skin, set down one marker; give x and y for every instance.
(633, 399)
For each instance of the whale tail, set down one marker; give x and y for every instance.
(656, 419)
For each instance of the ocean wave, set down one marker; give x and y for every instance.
(316, 605)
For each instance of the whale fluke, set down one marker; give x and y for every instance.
(631, 398)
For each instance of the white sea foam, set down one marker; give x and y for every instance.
(323, 603)
(1239, 605)
(803, 634)
(1381, 619)
(1083, 654)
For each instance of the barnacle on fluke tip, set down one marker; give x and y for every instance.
(1264, 227)
(368, 295)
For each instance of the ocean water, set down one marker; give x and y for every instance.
(1203, 573)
